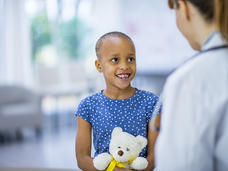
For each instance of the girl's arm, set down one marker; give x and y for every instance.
(83, 145)
(152, 137)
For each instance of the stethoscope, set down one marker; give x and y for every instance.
(215, 48)
(209, 50)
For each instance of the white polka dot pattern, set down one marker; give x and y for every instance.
(104, 114)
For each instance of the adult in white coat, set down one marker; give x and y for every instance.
(194, 122)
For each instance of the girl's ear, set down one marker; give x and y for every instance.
(185, 7)
(98, 65)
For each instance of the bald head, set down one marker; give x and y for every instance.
(107, 36)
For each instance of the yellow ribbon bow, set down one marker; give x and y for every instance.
(114, 164)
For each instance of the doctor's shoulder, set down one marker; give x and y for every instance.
(199, 71)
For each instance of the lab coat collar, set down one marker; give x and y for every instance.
(215, 39)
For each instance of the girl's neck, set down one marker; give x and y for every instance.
(119, 93)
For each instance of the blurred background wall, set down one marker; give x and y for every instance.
(47, 54)
(48, 43)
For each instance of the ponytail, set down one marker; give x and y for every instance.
(222, 16)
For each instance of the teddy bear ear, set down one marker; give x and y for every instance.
(142, 141)
(116, 131)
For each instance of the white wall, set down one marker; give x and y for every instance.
(15, 57)
(160, 46)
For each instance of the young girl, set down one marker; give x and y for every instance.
(119, 104)
(194, 129)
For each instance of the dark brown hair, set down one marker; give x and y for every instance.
(205, 7)
(222, 16)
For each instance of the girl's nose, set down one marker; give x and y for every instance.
(124, 66)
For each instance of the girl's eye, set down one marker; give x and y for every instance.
(131, 59)
(128, 149)
(114, 60)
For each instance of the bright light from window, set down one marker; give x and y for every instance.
(31, 7)
(52, 9)
(84, 9)
(68, 10)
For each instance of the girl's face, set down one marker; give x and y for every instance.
(117, 62)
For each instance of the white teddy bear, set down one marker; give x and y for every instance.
(124, 150)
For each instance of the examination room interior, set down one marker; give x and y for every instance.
(47, 54)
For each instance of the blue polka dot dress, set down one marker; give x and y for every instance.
(104, 114)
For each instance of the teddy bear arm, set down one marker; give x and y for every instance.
(102, 161)
(139, 163)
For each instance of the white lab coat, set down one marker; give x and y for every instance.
(194, 123)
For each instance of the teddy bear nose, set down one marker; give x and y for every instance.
(120, 153)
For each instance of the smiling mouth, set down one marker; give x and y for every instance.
(124, 76)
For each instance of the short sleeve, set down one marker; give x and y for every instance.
(155, 107)
(83, 110)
